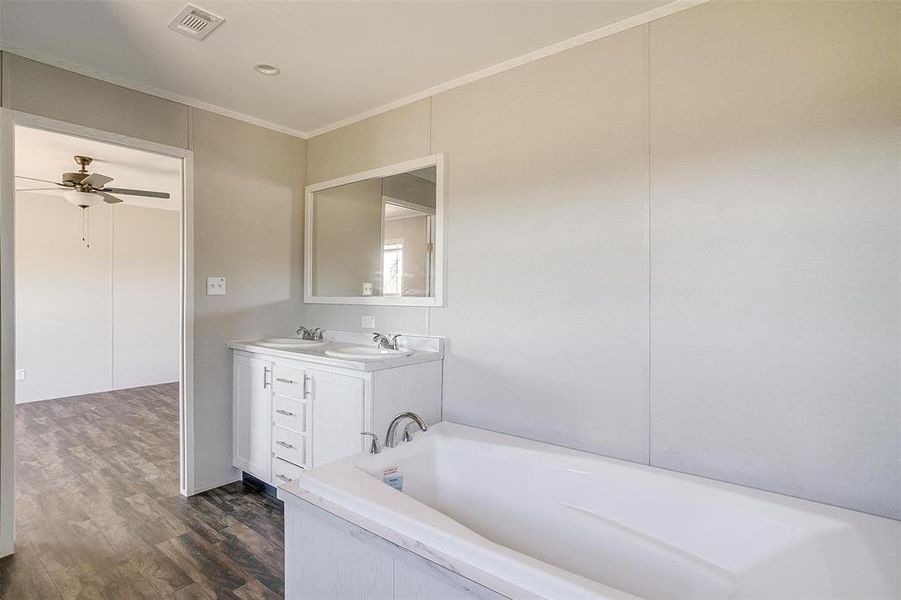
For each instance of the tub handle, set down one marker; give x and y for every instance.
(375, 447)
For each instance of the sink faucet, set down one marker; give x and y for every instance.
(314, 334)
(386, 342)
(391, 437)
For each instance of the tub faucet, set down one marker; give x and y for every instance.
(314, 334)
(375, 447)
(391, 437)
(386, 342)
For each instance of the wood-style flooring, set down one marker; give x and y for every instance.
(99, 515)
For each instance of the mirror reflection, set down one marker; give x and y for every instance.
(375, 237)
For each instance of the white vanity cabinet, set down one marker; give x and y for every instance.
(295, 411)
(251, 415)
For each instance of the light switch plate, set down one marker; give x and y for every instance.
(215, 286)
(20, 374)
(367, 322)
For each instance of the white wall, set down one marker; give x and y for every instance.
(63, 308)
(146, 295)
(678, 245)
(98, 318)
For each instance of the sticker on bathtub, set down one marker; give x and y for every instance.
(392, 476)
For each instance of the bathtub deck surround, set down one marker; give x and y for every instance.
(299, 403)
(526, 519)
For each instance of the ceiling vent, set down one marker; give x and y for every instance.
(195, 22)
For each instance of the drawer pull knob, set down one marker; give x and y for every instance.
(284, 444)
(282, 477)
(288, 381)
(284, 412)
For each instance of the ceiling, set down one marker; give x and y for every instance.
(338, 59)
(46, 155)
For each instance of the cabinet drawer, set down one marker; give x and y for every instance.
(283, 471)
(288, 413)
(288, 445)
(287, 381)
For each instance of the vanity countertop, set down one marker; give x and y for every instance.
(423, 348)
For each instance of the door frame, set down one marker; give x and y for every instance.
(9, 119)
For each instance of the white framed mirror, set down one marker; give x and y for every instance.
(377, 237)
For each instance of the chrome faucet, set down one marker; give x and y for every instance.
(375, 447)
(391, 437)
(386, 342)
(314, 334)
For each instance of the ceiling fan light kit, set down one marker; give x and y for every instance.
(82, 199)
(85, 190)
(78, 185)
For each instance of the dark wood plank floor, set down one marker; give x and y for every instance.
(99, 514)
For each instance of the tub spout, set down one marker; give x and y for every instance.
(391, 437)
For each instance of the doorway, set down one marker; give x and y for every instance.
(103, 298)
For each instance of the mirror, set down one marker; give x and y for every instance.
(372, 237)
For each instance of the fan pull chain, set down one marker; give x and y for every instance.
(85, 227)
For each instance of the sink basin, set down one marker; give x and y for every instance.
(366, 353)
(289, 343)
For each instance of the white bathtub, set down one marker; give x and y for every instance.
(533, 520)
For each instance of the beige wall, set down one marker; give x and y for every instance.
(699, 260)
(40, 89)
(347, 239)
(91, 319)
(775, 247)
(410, 188)
(392, 137)
(248, 207)
(547, 248)
(248, 215)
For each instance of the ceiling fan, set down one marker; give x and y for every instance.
(85, 189)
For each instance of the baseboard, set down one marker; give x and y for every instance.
(105, 390)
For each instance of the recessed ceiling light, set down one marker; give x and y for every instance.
(267, 69)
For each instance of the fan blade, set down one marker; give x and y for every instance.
(96, 180)
(38, 189)
(108, 198)
(41, 180)
(128, 192)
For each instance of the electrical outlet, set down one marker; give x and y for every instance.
(215, 286)
(367, 322)
(20, 374)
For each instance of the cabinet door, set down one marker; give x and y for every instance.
(337, 416)
(252, 416)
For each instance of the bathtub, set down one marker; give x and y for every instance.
(532, 520)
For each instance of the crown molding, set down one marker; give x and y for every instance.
(523, 59)
(74, 67)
